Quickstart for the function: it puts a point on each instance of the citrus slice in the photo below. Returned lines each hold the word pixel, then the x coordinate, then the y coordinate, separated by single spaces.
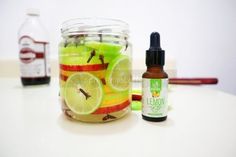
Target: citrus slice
pixel 118 74
pixel 83 93
pixel 111 99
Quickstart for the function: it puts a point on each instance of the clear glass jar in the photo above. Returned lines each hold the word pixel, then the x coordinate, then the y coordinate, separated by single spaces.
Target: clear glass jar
pixel 95 69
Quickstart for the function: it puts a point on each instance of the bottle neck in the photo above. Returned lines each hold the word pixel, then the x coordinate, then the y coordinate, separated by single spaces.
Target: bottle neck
pixel 34 21
pixel 32 18
pixel 155 68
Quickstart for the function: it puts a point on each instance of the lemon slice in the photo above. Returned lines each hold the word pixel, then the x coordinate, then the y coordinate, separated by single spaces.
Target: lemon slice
pixel 118 74
pixel 83 93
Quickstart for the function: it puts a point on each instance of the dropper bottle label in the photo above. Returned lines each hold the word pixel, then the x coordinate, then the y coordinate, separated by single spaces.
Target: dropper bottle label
pixel 155 82
pixel 154 98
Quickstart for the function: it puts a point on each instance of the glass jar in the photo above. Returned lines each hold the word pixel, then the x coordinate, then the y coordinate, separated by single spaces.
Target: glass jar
pixel 95 69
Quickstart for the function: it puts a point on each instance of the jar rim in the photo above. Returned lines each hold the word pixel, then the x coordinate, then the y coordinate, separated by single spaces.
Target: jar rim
pixel 94 25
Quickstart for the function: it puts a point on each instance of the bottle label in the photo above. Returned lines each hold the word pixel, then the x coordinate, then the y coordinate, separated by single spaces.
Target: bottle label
pixel 154 97
pixel 34 58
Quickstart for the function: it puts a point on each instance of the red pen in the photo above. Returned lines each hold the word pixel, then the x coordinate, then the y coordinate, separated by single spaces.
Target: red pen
pixel 193 81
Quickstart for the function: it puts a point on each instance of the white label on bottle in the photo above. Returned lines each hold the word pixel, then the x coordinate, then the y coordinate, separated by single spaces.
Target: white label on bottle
pixel 34 58
pixel 154 97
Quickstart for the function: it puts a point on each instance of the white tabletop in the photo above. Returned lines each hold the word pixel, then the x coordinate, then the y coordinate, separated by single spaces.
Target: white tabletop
pixel 201 123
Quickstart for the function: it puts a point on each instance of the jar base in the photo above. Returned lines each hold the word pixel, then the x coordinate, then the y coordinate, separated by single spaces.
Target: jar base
pixel 97 118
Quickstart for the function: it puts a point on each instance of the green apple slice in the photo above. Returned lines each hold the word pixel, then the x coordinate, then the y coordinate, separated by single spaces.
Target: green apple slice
pixel 81 55
pixel 105 49
pixel 72 49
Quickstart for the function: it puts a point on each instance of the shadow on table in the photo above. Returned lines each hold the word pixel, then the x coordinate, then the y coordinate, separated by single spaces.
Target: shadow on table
pixel 167 123
pixel 114 127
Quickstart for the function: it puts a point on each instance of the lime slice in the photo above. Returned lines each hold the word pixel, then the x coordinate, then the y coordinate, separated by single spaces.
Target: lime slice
pixel 118 74
pixel 83 93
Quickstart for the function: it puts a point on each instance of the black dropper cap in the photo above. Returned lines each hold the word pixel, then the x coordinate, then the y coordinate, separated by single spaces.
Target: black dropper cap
pixel 155 55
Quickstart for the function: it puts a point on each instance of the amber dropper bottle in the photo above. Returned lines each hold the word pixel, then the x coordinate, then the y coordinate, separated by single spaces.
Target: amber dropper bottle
pixel 155 83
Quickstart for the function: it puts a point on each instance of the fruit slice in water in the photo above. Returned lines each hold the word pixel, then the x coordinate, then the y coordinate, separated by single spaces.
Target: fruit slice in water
pixel 74 55
pixel 86 57
pixel 118 74
pixel 114 108
pixel 65 74
pixel 83 93
pixel 111 99
pixel 106 49
pixel 72 49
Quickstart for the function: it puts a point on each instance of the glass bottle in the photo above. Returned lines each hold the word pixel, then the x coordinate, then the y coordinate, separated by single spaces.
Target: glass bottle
pixel 33 50
pixel 155 83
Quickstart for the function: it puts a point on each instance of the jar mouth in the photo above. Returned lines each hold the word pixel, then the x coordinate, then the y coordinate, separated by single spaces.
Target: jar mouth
pixel 96 26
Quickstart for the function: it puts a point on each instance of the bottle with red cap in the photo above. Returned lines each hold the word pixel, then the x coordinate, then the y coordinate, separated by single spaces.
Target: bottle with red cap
pixel 33 50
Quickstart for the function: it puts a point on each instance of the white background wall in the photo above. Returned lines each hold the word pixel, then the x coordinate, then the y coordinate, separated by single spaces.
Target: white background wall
pixel 200 34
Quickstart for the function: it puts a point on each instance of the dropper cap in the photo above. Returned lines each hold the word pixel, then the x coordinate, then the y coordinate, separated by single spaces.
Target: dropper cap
pixel 155 55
